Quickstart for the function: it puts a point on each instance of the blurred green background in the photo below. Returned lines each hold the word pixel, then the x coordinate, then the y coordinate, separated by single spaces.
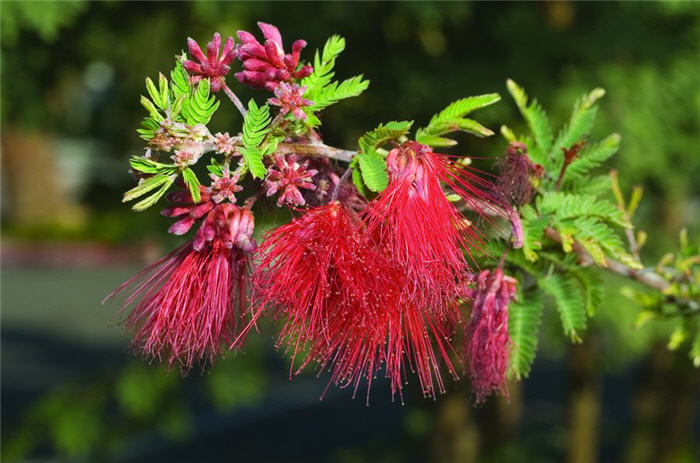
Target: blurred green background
pixel 72 73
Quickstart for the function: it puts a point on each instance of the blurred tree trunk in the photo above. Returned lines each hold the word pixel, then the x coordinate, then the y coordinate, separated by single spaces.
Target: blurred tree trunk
pixel 662 408
pixel 584 402
pixel 456 436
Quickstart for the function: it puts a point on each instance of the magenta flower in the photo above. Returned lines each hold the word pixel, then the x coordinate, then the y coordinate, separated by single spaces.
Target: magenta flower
pixel 224 187
pixel 287 175
pixel 212 66
pixel 487 343
pixel 265 66
pixel 290 98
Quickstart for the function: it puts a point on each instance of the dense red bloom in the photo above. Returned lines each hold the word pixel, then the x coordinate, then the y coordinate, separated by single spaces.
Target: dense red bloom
pixel 290 98
pixel 341 302
pixel 487 343
pixel 190 302
pixel 420 228
pixel 517 174
pixel 265 66
pixel 287 175
pixel 212 66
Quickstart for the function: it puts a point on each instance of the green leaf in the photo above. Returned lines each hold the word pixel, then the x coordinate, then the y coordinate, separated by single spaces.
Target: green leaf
pixel 533 231
pixel 323 65
pixel 382 134
pixel 695 350
pixel 215 167
pixel 334 92
pixel 592 285
pixel 192 183
pixel 452 119
pixel 373 168
pixel 162 181
pixel 152 110
pixel 149 166
pixel 568 299
pixel 579 127
pixel 255 129
pixel 592 156
pixel 567 205
pixel 538 123
pixel 357 181
pixel 524 317
pixel 180 81
pixel 200 106
pixel 154 94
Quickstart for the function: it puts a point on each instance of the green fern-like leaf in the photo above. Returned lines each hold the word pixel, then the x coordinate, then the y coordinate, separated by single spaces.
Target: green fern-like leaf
pixel 593 156
pixel 568 298
pixel 323 65
pixel 538 123
pixel 567 206
pixel 533 231
pixel 373 168
pixel 383 134
pixel 524 317
pixel 592 286
pixel 579 126
pixel 200 106
pixel 596 186
pixel 179 80
pixel 160 182
pixel 192 183
pixel 452 119
pixel 334 92
pixel 255 129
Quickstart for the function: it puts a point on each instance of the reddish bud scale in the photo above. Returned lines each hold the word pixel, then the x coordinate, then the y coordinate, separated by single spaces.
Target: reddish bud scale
pixel 487 343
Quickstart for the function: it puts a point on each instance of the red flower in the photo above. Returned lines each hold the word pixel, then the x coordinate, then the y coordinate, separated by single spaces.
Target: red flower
pixel 265 66
pixel 422 231
pixel 288 175
pixel 487 343
pixel 290 99
pixel 190 302
pixel 341 302
pixel 212 66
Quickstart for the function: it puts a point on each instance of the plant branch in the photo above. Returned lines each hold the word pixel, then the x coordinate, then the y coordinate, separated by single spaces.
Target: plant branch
pixel 236 101
pixel 316 149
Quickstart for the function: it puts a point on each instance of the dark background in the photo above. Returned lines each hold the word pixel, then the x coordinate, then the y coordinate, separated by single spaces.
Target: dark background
pixel 72 73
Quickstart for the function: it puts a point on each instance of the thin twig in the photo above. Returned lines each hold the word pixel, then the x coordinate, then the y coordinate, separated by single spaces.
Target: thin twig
pixel 342 179
pixel 232 96
pixel 316 149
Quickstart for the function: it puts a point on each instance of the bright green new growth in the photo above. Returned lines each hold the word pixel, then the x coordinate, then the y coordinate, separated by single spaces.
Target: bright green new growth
pixel 256 127
pixel 320 87
pixel 371 163
pixel 452 119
